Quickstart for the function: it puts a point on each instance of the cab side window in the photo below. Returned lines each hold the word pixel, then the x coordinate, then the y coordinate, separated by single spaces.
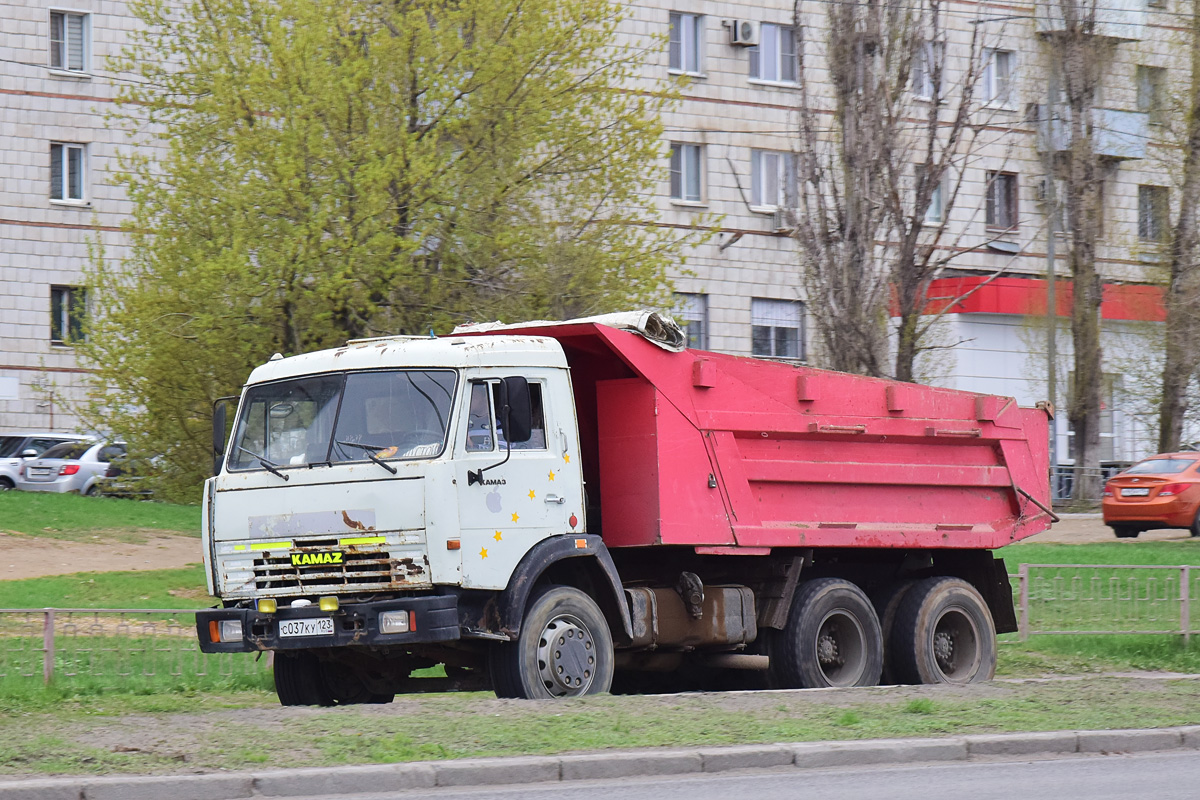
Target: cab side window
pixel 485 419
pixel 537 439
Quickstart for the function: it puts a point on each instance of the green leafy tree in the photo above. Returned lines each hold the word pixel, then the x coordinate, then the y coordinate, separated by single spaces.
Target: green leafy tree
pixel 334 169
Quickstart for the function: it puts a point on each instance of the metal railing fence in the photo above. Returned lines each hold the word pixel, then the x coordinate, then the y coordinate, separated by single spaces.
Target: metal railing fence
pixel 1080 599
pixel 122 648
pixel 115 647
pixel 1063 478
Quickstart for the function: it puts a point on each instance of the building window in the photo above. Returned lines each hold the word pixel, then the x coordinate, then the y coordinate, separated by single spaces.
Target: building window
pixel 998 77
pixel 692 311
pixel 686 161
pixel 687 43
pixel 1002 201
pixel 68 41
pixel 927 57
pixel 774 57
pixel 67 308
pixel 67 164
pixel 1151 93
pixel 1153 209
pixel 777 328
pixel 772 178
pixel 935 212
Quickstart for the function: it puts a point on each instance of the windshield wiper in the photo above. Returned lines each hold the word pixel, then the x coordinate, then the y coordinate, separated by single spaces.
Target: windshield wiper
pixel 269 466
pixel 370 450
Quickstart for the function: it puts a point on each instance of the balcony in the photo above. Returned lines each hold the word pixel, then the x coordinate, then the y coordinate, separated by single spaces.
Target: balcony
pixel 1119 135
pixel 1122 20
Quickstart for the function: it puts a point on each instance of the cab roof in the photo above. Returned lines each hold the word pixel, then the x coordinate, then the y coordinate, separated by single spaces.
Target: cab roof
pixel 409 351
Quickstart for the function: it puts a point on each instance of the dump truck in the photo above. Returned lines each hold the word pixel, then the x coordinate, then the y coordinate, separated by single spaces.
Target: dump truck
pixel 563 508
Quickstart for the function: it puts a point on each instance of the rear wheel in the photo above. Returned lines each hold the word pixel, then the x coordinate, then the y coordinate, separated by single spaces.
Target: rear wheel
pixel 886 603
pixel 832 638
pixel 564 649
pixel 6 484
pixel 1195 527
pixel 1130 532
pixel 943 634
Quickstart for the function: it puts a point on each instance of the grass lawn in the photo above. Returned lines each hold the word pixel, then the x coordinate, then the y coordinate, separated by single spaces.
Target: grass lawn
pixel 163 588
pixel 72 517
pixel 221 730
pixel 1129 551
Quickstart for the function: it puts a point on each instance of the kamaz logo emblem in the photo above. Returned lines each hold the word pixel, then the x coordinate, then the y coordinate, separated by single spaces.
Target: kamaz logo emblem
pixel 315 559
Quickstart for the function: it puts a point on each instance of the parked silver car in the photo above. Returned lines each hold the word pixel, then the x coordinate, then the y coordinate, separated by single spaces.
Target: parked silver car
pixel 17 448
pixel 69 467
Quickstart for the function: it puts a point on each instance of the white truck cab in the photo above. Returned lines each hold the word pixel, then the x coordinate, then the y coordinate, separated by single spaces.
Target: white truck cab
pixel 365 490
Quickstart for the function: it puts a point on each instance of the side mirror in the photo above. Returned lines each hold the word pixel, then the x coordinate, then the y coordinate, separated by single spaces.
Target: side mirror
pixel 30 453
pixel 218 431
pixel 514 393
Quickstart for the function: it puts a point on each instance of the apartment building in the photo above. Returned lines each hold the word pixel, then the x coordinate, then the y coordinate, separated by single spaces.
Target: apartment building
pixel 57 195
pixel 726 161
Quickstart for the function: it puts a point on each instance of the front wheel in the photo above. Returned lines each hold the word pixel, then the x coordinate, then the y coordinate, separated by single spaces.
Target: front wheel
pixel 565 649
pixel 832 638
pixel 943 634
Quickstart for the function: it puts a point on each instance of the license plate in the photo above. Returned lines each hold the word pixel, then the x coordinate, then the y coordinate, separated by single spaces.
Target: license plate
pixel 1143 492
pixel 321 626
pixel 39 471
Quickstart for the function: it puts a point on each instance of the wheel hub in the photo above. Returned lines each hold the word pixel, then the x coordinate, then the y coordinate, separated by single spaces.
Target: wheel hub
pixel 827 649
pixel 566 656
pixel 943 650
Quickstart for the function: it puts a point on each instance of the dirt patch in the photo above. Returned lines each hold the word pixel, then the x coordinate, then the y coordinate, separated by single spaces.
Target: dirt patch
pixel 29 557
pixel 1090 529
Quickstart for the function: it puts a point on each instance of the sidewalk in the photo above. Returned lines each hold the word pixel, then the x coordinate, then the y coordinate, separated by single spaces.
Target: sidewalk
pixel 599 766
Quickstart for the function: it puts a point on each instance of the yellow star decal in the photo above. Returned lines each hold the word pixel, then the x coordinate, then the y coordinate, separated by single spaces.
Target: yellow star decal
pixel 551 474
pixel 516 517
pixel 483 553
pixel 567 457
pixel 497 536
pixel 531 494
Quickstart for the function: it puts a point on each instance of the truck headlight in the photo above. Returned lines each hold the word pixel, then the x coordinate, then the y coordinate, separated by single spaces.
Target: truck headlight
pixel 231 630
pixel 394 622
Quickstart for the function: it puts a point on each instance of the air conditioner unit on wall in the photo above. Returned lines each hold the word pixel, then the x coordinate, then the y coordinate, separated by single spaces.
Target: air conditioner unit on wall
pixel 779 222
pixel 742 33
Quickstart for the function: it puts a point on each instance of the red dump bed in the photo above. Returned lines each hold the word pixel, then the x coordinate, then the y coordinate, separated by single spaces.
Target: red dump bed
pixel 730 454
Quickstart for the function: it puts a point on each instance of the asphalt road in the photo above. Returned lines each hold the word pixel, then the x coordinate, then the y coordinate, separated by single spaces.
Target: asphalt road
pixel 1173 776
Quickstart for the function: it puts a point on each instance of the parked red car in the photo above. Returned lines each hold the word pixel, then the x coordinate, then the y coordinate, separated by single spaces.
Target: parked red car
pixel 1161 492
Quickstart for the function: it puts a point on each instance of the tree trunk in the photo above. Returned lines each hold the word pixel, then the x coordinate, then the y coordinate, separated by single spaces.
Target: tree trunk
pixel 1182 351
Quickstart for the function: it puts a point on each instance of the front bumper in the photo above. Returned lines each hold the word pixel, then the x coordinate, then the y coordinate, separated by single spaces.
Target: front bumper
pixel 435 616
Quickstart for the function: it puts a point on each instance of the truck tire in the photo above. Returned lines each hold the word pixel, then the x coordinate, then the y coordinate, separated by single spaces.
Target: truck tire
pixel 886 602
pixel 298 680
pixel 832 638
pixel 943 633
pixel 565 649
pixel 301 679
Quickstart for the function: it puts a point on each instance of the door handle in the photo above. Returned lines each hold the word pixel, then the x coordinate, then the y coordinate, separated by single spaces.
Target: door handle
pixel 553 498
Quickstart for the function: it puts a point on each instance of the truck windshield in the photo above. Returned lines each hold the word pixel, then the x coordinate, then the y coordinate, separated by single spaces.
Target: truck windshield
pixel 344 417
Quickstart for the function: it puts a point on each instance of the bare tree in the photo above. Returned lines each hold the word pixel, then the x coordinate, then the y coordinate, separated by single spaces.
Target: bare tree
pixel 1078 57
pixel 1182 298
pixel 875 154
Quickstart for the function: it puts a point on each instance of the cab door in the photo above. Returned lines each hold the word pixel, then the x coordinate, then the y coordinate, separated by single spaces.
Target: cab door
pixel 528 492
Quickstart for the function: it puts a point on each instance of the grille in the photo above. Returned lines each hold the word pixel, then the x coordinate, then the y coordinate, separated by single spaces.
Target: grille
pixel 362 567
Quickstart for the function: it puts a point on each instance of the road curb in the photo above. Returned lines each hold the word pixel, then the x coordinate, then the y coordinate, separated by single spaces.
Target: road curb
pixel 597 766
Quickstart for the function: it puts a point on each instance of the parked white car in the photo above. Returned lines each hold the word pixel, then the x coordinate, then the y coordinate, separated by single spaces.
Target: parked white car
pixel 17 448
pixel 69 467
